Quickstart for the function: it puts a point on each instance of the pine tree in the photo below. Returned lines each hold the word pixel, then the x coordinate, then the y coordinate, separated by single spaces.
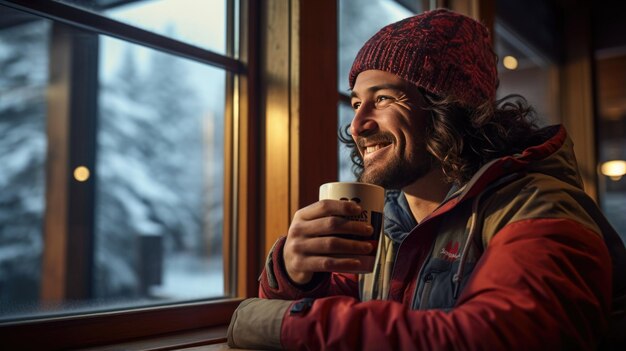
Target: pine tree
pixel 23 63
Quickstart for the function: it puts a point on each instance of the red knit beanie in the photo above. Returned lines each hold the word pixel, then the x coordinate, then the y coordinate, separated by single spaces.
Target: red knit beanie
pixel 441 51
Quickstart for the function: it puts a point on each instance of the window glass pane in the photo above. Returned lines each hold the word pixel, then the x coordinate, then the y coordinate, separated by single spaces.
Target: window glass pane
pixel 198 22
pixel 158 175
pixel 160 163
pixel 23 147
pixel 531 76
pixel 357 23
pixel 611 129
pixel 527 55
pixel 345 163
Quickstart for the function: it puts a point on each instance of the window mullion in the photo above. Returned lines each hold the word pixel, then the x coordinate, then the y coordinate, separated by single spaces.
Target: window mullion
pixel 82 153
pixel 68 253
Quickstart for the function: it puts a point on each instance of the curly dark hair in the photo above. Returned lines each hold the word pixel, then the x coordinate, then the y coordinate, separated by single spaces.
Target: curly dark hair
pixel 463 140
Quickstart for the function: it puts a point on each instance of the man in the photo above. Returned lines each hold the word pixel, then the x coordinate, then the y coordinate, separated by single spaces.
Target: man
pixel 490 241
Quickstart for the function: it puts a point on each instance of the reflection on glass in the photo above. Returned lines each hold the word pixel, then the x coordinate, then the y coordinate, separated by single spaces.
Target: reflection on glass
pixel 23 147
pixel 198 22
pixel 523 69
pixel 160 184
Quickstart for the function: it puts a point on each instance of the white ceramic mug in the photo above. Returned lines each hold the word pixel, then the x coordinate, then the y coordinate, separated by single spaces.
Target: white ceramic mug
pixel 370 197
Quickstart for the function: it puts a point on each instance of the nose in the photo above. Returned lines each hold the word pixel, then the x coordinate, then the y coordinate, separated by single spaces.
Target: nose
pixel 363 122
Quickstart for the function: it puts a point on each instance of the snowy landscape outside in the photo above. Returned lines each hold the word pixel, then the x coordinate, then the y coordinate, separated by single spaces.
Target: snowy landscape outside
pixel 159 161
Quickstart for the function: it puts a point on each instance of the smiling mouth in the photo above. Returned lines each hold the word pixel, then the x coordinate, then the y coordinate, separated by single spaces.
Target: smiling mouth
pixel 373 143
pixel 373 148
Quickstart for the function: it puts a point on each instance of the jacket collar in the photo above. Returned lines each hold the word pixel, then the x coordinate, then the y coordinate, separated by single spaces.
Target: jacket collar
pixel 553 155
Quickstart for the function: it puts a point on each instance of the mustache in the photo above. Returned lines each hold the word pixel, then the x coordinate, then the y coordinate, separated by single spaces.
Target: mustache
pixel 378 138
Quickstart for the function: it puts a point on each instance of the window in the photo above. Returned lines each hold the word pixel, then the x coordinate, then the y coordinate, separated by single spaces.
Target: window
pixel 120 148
pixel 159 176
pixel 199 23
pixel 357 23
pixel 528 56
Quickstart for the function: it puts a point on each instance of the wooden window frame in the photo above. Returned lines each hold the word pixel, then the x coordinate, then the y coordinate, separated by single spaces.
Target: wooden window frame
pixel 240 250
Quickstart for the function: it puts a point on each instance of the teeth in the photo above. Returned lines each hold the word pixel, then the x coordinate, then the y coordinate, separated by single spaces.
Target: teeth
pixel 373 148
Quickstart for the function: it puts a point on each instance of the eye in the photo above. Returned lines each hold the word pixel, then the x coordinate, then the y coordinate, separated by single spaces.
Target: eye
pixel 356 105
pixel 383 98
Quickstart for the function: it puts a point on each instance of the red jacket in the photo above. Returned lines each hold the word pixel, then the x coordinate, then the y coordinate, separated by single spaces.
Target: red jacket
pixel 535 273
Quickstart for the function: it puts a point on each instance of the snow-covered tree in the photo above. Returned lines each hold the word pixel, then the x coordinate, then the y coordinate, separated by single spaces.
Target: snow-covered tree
pixel 151 174
pixel 23 80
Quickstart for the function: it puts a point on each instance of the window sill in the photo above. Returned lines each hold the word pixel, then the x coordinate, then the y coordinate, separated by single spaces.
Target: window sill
pixel 161 324
pixel 213 339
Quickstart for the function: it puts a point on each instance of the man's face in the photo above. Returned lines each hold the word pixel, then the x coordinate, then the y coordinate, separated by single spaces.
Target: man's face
pixel 388 128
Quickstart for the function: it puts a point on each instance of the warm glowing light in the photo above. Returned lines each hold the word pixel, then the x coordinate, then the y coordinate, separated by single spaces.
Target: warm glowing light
pixel 81 173
pixel 614 169
pixel 509 62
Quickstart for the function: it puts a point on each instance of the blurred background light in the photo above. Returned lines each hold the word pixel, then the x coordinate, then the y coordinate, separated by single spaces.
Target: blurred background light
pixel 614 169
pixel 81 173
pixel 509 62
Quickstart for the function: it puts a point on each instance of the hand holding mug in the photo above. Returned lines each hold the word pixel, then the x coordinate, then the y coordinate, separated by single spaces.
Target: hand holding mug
pixel 339 233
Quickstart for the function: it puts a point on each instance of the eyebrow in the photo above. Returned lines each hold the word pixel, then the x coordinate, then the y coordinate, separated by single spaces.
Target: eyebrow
pixel 380 87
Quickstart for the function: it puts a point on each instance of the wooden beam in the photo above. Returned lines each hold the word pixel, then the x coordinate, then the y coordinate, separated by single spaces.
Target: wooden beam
pixel 299 107
pixel 54 263
pixel 275 115
pixel 72 113
pixel 481 10
pixel 247 157
pixel 577 97
pixel 314 128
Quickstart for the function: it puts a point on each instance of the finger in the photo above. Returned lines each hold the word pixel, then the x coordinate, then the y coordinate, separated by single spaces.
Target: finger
pixel 326 208
pixel 354 264
pixel 329 226
pixel 331 246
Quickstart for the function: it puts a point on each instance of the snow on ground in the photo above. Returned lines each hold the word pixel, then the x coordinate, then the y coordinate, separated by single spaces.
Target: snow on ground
pixel 188 277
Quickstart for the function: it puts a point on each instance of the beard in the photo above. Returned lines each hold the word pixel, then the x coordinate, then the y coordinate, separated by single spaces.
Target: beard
pixel 401 170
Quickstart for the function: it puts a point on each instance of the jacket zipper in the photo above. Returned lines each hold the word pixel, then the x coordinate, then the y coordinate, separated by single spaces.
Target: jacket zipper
pixel 419 273
pixel 428 284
